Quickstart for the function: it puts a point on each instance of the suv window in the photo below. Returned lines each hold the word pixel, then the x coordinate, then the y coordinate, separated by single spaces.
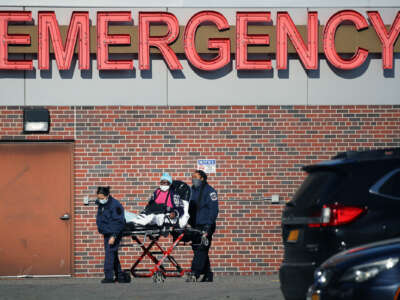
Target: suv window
pixel 315 186
pixel 389 185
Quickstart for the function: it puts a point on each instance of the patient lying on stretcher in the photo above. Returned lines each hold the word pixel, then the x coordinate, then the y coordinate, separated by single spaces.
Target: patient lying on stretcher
pixel 169 204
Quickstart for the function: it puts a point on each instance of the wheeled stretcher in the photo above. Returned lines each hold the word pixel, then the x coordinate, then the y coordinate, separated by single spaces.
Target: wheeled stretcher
pixel 147 238
pixel 146 230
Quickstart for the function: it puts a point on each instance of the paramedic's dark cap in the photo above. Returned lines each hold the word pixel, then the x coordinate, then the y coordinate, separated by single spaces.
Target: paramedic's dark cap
pixel 166 177
pixel 104 190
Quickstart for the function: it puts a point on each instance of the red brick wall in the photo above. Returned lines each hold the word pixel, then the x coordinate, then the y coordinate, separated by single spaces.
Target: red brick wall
pixel 259 151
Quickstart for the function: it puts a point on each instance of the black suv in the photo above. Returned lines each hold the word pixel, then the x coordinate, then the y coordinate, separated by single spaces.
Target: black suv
pixel 350 200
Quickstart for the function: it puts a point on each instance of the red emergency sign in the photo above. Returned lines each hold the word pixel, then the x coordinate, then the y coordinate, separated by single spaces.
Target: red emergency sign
pixel 79 33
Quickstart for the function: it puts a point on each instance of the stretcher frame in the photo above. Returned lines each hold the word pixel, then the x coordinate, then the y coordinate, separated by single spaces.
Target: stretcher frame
pixel 159 272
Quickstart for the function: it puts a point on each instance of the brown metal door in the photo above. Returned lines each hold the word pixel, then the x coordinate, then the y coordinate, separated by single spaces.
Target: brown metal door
pixel 35 191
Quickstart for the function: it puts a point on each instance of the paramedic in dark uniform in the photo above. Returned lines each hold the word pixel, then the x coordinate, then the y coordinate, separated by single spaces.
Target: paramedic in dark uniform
pixel 203 207
pixel 110 222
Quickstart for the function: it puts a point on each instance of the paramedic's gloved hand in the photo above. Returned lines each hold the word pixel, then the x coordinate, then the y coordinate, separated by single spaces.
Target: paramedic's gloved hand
pixel 111 241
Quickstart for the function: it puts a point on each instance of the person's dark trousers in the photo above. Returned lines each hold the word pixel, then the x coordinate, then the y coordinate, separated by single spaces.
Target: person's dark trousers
pixel 201 260
pixel 111 261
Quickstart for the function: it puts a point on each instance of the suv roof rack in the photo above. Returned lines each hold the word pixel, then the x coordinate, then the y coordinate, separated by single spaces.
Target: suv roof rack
pixel 368 154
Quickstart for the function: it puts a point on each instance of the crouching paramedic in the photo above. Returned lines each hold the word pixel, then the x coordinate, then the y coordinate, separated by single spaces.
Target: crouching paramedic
pixel 110 223
pixel 203 209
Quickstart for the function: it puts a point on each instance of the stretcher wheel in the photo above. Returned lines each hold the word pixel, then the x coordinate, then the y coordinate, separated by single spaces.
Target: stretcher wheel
pixel 191 278
pixel 158 277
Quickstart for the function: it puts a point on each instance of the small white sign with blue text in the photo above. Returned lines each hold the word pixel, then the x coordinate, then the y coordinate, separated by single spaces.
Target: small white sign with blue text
pixel 207 165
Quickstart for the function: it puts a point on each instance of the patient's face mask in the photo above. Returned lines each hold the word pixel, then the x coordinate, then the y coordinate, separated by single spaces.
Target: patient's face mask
pixel 164 188
pixel 164 185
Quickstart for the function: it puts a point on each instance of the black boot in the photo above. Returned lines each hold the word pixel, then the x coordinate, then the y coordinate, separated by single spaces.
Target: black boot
pixel 105 280
pixel 123 280
pixel 209 277
pixel 125 277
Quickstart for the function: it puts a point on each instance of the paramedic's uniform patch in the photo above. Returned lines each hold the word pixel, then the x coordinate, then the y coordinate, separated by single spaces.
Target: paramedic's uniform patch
pixel 214 196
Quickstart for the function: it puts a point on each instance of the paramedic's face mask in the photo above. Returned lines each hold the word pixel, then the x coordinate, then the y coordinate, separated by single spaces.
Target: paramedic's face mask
pixel 164 186
pixel 102 199
pixel 196 180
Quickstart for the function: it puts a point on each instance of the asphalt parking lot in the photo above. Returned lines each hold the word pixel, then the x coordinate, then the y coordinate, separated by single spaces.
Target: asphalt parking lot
pixel 226 287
